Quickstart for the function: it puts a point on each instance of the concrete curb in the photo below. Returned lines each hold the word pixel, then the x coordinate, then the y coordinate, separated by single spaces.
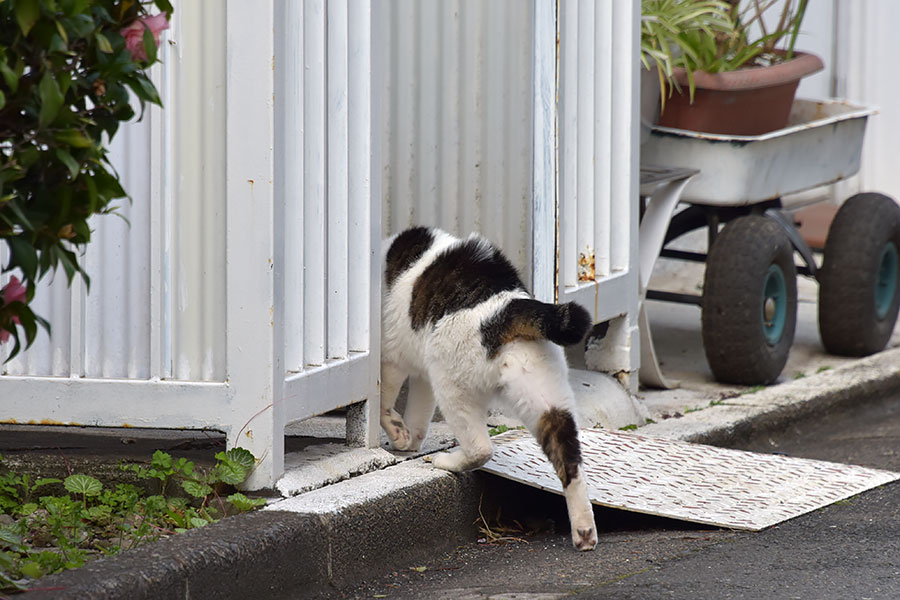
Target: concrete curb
pixel 744 416
pixel 343 533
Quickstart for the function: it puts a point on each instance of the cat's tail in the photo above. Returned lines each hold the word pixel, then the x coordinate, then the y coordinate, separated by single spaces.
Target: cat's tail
pixel 528 319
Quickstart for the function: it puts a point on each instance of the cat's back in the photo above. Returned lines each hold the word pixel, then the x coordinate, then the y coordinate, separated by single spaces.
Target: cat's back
pixel 430 274
pixel 439 274
pixel 408 253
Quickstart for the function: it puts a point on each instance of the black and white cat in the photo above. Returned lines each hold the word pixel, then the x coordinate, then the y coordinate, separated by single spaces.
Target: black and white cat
pixel 457 320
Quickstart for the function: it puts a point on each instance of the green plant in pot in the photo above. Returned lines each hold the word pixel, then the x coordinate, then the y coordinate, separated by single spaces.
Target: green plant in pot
pixel 667 26
pixel 740 82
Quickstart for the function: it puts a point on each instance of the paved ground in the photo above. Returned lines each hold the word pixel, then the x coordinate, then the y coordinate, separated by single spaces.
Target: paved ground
pixel 847 550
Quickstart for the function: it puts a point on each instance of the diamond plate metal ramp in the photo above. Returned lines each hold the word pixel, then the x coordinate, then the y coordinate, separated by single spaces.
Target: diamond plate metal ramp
pixel 691 482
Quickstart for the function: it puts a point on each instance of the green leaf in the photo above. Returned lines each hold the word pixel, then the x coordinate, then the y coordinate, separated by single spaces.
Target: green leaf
pixel 26 318
pixel 83 484
pixel 23 255
pixel 17 211
pixel 27 14
pixel 81 26
pixel 103 43
pixel 9 77
pixel 2 99
pixel 93 198
pixel 243 503
pixel 144 89
pixel 32 570
pixel 161 460
pixel 241 456
pixel 69 161
pixel 69 263
pixel 45 481
pixel 74 7
pixel 51 99
pixel 198 522
pixel 99 513
pixel 9 537
pixel 196 488
pixel 183 465
pixel 164 6
pixel 17 346
pixel 231 473
pixel 62 33
pixel 149 45
pixel 75 138
pixel 28 508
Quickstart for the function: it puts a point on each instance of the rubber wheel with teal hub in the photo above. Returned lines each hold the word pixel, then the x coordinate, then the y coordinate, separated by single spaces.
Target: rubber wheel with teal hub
pixel 886 282
pixel 859 293
pixel 749 301
pixel 774 312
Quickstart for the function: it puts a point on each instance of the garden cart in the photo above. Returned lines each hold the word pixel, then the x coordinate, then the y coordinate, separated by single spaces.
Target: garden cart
pixel 749 297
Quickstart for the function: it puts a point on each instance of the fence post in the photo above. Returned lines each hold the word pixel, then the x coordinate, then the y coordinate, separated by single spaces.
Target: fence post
pixel 254 361
pixel 545 206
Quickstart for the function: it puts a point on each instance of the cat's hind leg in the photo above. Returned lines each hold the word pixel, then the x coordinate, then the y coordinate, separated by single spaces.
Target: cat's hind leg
pixel 419 411
pixel 535 383
pixel 467 417
pixel 392 378
pixel 558 436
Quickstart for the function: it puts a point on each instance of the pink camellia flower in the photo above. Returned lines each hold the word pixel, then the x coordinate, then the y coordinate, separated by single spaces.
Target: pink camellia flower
pixel 13 291
pixel 134 34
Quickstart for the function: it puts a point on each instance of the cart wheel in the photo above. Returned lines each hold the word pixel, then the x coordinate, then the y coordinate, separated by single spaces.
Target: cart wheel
pixel 749 301
pixel 858 289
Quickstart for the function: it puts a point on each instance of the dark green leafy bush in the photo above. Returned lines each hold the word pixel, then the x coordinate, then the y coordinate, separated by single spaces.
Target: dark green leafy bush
pixel 69 71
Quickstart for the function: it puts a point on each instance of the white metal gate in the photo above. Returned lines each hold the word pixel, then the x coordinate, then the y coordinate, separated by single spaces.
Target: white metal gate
pixel 244 292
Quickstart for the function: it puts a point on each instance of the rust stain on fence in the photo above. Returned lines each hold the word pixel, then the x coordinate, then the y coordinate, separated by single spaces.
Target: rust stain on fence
pixel 587 266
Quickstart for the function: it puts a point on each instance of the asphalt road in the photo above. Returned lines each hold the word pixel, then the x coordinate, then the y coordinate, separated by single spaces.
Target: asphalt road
pixel 847 550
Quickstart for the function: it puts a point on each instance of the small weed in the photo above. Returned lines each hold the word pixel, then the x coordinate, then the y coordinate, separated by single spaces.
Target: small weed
pixel 502 429
pixel 752 390
pixel 45 534
pixel 498 430
pixel 649 422
pixel 631 427
pixel 799 375
pixel 823 368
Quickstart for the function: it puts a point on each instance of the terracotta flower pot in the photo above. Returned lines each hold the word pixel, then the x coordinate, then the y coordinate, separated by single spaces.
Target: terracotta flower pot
pixel 748 101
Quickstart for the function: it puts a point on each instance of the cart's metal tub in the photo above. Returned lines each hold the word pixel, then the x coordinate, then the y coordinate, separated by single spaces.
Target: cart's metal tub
pixel 821 145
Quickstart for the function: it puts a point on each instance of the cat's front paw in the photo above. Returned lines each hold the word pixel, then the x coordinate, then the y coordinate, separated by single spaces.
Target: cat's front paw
pixel 402 441
pixel 396 430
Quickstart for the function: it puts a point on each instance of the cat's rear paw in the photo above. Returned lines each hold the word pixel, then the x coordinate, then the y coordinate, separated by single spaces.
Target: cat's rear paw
pixel 460 460
pixel 445 461
pixel 584 539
